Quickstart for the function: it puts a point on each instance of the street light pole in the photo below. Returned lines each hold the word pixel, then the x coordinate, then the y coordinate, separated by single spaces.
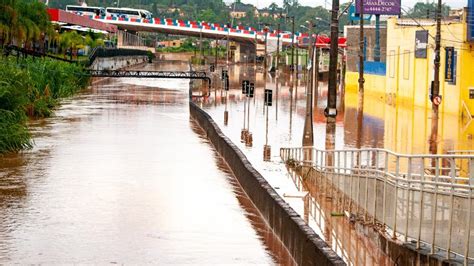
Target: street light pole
pixel 330 111
pixel 361 48
pixel 278 46
pixel 293 43
pixel 435 85
pixel 265 51
pixel 308 122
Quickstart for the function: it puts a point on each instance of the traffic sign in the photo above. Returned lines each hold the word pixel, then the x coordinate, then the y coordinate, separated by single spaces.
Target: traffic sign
pixel 268 97
pixel 251 90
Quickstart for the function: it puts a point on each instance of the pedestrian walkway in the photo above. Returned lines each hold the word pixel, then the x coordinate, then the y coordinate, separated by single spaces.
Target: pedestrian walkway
pixel 422 199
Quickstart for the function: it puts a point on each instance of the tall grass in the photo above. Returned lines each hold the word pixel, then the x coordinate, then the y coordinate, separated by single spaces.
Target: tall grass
pixel 32 88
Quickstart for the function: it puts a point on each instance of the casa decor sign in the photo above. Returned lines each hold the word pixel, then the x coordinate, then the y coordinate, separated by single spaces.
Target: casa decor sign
pixel 380 7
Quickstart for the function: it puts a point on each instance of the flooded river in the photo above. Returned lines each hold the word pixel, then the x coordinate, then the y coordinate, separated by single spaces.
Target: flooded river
pixel 121 175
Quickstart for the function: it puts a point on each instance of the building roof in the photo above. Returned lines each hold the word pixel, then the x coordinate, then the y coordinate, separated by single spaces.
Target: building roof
pixel 423 21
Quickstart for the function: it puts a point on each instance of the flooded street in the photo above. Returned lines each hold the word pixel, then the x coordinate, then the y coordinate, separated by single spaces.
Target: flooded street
pixel 121 175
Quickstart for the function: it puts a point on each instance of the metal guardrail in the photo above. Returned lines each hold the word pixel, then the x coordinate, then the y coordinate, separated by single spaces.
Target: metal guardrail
pixel 34 53
pixel 422 198
pixel 151 74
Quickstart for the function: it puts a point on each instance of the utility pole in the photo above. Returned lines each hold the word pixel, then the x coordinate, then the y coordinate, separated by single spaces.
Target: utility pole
pixel 200 47
pixel 292 18
pixel 265 29
pixel 278 45
pixel 435 98
pixel 217 49
pixel 330 112
pixel 308 122
pixel 361 48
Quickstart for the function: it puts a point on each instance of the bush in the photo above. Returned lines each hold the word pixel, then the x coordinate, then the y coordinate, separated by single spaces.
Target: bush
pixel 32 88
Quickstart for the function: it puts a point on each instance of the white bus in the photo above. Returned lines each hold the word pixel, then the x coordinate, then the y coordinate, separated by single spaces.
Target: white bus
pixel 128 13
pixel 86 10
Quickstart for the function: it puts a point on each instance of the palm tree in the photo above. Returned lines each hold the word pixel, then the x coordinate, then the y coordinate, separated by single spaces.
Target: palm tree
pixel 70 40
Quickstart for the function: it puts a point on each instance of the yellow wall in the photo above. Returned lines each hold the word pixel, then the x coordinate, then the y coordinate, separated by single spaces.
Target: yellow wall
pixel 410 78
pixel 374 84
pixel 407 81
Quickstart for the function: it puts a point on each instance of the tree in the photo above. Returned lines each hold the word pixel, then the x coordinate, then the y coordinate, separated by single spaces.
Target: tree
pixel 422 10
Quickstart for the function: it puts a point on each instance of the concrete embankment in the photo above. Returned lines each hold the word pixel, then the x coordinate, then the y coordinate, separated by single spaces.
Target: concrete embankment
pixel 303 244
pixel 117 62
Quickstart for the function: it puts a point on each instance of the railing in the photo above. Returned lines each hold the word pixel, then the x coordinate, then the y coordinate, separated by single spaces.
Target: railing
pixel 422 198
pixel 112 52
pixel 151 74
pixel 33 53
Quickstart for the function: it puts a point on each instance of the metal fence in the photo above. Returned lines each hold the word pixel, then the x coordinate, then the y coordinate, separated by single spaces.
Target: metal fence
pixel 422 198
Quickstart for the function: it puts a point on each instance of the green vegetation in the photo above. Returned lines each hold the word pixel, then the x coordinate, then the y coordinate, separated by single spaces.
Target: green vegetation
pixel 24 21
pixel 32 88
pixel 29 87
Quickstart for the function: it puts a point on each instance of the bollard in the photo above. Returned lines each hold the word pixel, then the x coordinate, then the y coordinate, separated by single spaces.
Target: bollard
pixel 266 153
pixel 226 118
pixel 243 135
pixel 248 140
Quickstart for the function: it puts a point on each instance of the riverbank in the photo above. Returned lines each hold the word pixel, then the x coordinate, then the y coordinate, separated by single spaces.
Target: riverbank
pixel 31 88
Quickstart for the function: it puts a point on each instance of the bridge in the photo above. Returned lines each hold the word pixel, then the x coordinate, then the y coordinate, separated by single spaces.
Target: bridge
pixel 188 28
pixel 151 74
pixel 212 30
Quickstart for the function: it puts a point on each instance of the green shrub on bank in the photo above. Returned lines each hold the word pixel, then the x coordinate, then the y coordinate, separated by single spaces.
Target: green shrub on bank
pixel 32 88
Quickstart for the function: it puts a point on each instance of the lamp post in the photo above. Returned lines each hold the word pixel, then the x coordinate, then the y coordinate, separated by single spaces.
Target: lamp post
pixel 292 18
pixel 330 110
pixel 265 30
pixel 308 123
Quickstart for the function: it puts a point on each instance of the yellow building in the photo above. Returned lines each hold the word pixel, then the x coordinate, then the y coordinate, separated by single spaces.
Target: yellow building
pixel 410 66
pixel 400 95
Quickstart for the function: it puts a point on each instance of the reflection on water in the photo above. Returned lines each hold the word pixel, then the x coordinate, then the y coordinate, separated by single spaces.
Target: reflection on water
pixel 120 175
pixel 403 129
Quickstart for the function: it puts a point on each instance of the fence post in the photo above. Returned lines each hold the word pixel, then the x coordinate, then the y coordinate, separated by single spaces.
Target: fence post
pixel 408 197
pixel 422 187
pixel 375 184
pixel 385 176
pixel 397 171
pixel 468 229
pixel 367 185
pixel 435 210
pixel 451 209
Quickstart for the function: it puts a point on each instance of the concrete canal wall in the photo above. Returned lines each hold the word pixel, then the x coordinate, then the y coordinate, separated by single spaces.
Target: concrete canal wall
pixel 304 245
pixel 117 62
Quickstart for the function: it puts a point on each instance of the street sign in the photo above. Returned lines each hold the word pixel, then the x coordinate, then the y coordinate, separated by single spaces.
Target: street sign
pixel 251 90
pixel 226 82
pixel 380 7
pixel 268 97
pixel 421 43
pixel 245 87
pixel 223 74
pixel 353 16
pixel 450 65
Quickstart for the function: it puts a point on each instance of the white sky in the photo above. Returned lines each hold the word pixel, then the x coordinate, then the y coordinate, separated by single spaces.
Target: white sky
pixel 405 3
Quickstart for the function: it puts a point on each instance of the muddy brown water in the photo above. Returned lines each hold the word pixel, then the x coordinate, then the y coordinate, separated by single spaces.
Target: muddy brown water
pixel 121 175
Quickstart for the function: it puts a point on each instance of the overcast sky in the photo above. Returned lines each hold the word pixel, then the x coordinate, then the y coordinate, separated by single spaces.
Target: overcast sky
pixel 405 3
